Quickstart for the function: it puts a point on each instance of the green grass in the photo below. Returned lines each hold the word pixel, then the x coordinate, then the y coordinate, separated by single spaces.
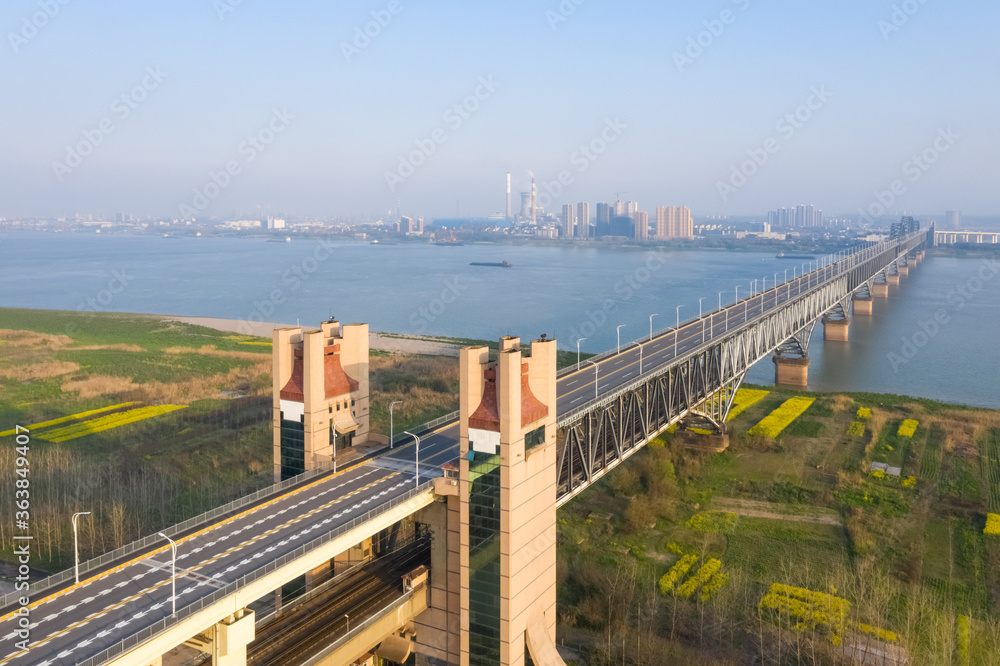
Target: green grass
pixel 805 428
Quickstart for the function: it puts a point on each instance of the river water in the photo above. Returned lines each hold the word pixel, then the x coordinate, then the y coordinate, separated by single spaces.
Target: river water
pixel 934 337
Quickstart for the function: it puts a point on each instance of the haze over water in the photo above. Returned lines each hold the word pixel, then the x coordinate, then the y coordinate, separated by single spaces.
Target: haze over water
pixel 566 292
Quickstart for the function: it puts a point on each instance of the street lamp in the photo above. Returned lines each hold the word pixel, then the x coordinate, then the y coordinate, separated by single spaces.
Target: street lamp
pixel 720 300
pixel 348 622
pixel 678 329
pixel 391 430
pixel 651 326
pixel 417 457
pixel 640 359
pixel 699 306
pixel 597 378
pixel 173 573
pixel 620 327
pixel 578 353
pixel 76 548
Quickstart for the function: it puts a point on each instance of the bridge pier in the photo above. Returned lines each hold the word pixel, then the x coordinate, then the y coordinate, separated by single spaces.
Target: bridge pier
pixel 892 278
pixel 791 371
pixel 904 270
pixel 863 306
pixel 836 330
pixel 881 289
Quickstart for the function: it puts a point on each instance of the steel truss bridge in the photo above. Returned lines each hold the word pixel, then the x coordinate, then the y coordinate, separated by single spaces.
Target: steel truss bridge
pixel 706 359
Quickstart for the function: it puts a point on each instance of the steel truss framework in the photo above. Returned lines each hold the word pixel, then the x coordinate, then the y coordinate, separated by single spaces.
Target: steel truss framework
pixel 593 441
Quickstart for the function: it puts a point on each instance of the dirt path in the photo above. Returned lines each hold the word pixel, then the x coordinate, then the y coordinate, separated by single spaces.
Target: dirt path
pixel 755 509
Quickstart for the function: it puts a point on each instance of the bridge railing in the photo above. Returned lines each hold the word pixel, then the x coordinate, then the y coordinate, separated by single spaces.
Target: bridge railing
pixel 144 544
pixel 185 612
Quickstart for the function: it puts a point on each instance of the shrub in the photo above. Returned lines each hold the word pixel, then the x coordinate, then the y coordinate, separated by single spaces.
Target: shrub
pixel 881 634
pixel 703 575
pixel 856 429
pixel 713 586
pixel 638 515
pixel 813 610
pixel 676 573
pixel 864 413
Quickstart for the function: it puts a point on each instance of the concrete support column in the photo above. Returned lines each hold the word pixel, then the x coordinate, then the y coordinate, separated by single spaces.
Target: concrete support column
pixel 836 329
pixel 880 290
pixel 892 279
pixel 904 270
pixel 232 636
pixel 791 371
pixel 863 306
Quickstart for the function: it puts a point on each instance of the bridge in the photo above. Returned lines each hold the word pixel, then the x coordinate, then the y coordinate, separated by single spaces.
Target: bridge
pixel 483 483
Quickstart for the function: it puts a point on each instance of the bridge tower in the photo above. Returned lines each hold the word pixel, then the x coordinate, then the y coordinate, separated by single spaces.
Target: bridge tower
pixel 507 492
pixel 320 394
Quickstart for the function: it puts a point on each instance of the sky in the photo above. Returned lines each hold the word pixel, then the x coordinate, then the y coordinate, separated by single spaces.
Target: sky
pixel 307 108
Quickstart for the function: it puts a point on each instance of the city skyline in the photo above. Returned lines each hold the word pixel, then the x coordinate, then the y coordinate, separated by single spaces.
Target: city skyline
pixel 351 122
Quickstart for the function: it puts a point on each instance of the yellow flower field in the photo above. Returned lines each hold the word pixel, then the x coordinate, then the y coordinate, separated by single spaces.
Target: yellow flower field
pixel 71 417
pixel 811 609
pixel 881 634
pixel 744 399
pixel 772 424
pixel 678 571
pixel 703 575
pixel 907 428
pixel 864 413
pixel 856 429
pixel 713 586
pixel 107 423
pixel 992 524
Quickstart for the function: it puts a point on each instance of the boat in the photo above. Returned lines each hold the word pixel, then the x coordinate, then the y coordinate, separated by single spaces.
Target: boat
pixel 449 243
pixel 782 255
pixel 286 239
pixel 497 264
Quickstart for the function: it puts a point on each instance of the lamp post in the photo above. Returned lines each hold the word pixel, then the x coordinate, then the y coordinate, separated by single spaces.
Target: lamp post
pixel 678 329
pixel 578 353
pixel 620 327
pixel 416 457
pixel 640 359
pixel 651 326
pixel 699 306
pixel 173 573
pixel 348 622
pixel 720 300
pixel 597 377
pixel 76 548
pixel 391 429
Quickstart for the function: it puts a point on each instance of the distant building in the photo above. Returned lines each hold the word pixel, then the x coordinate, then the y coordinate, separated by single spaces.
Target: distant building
pixel 661 223
pixel 583 220
pixel 640 220
pixel 602 224
pixel 953 219
pixel 622 225
pixel 568 221
pixel 409 225
pixel 273 223
pixel 680 224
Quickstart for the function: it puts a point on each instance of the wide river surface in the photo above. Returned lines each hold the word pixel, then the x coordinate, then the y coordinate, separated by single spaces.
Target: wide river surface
pixel 934 337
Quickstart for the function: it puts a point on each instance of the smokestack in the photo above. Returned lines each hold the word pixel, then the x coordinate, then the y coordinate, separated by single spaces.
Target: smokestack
pixel 508 195
pixel 534 201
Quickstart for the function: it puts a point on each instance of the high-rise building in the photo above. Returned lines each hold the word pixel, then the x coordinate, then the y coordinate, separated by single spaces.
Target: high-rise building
pixel 620 208
pixel 680 224
pixel 583 220
pixel 641 220
pixel 568 221
pixel 602 223
pixel 953 219
pixel 661 223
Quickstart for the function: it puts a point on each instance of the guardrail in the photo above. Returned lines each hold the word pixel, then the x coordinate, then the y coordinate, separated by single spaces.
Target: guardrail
pixel 96 564
pixel 185 612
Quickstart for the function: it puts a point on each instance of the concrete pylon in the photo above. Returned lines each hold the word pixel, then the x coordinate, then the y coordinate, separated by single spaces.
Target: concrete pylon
pixel 880 290
pixel 863 306
pixel 507 488
pixel 791 371
pixel 836 330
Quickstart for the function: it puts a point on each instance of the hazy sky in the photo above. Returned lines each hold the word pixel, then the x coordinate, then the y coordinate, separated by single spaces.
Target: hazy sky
pixel 223 68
